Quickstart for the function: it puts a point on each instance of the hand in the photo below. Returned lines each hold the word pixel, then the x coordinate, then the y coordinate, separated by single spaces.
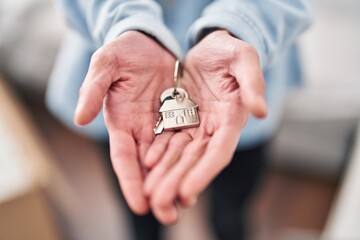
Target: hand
pixel 223 76
pixel 127 77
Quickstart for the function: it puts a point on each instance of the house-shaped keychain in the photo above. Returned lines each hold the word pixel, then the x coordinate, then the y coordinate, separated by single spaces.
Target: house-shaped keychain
pixel 179 113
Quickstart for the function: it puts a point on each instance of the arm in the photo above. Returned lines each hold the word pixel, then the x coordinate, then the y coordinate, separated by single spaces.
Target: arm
pixel 225 74
pixel 103 21
pixel 268 25
pixel 125 77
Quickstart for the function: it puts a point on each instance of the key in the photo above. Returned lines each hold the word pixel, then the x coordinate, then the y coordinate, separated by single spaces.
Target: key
pixel 167 95
pixel 159 127
pixel 177 111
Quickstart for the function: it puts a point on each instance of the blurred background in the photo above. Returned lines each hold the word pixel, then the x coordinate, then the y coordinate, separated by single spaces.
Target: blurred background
pixel 53 184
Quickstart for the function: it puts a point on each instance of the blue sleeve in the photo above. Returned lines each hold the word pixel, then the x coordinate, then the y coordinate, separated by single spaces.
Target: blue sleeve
pixel 101 21
pixel 268 25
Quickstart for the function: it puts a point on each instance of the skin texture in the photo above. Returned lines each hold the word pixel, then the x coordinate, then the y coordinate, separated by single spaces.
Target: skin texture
pixel 222 75
pixel 126 78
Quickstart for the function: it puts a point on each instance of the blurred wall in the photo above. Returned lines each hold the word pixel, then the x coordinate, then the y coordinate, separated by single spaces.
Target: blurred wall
pixel 321 116
pixel 30 34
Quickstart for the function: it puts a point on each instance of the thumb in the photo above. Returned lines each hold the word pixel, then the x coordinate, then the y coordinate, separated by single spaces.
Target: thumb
pixel 254 102
pixel 250 78
pixel 95 86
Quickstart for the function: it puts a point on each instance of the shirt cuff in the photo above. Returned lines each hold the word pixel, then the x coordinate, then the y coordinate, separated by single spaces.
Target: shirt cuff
pixel 237 24
pixel 149 25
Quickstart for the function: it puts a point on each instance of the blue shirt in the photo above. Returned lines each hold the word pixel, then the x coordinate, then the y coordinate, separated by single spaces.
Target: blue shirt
pixel 271 26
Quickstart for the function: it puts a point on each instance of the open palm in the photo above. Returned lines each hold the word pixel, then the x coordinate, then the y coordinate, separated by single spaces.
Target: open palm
pixel 223 76
pixel 126 77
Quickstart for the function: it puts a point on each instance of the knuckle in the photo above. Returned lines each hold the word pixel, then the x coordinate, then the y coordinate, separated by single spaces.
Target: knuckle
pixel 103 57
pixel 98 56
pixel 249 50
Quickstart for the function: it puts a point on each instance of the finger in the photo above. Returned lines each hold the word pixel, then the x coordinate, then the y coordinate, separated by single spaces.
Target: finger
pixel 95 86
pixel 247 71
pixel 143 148
pixel 167 189
pixel 256 104
pixel 157 149
pixel 188 202
pixel 168 215
pixel 164 196
pixel 128 170
pixel 215 158
pixel 172 154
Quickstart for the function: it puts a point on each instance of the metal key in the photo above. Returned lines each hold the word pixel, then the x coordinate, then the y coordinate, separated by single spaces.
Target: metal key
pixel 177 111
pixel 159 127
pixel 167 95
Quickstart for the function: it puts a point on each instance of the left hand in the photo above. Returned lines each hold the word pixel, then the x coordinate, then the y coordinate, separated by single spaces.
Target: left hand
pixel 223 76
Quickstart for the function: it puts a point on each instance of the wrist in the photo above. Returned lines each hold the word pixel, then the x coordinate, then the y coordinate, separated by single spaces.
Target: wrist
pixel 209 31
pixel 146 24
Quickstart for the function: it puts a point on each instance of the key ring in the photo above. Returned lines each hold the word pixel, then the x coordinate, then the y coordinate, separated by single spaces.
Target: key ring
pixel 177 72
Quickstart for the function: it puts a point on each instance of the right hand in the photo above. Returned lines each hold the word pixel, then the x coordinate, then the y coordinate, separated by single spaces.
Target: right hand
pixel 126 77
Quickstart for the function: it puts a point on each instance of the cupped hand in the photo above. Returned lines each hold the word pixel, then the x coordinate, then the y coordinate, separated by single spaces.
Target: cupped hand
pixel 126 78
pixel 223 76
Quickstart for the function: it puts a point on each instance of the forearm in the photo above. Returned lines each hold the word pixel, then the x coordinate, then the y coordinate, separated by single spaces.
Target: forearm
pixel 268 25
pixel 103 21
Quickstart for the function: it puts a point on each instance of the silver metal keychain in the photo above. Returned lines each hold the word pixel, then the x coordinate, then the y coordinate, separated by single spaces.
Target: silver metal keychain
pixel 177 110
